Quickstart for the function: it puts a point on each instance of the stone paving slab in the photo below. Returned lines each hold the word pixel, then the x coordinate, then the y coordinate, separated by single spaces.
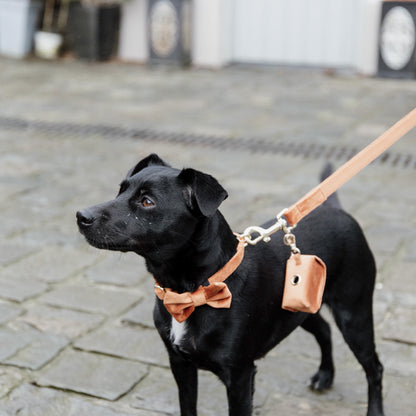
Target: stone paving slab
pixel 142 313
pixel 69 323
pixel 18 219
pixel 120 270
pixel 398 359
pixel 51 264
pixel 38 351
pixel 29 348
pixel 403 388
pixel 28 400
pixel 8 311
pixel 402 278
pixel 288 405
pixel 157 391
pixel 128 342
pixel 16 289
pixel 397 324
pixel 12 252
pixel 387 238
pixel 411 251
pixel 101 300
pixel 12 341
pixel 10 378
pixel 92 374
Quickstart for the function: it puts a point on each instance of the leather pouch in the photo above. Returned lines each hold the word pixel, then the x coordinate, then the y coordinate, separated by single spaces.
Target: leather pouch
pixel 304 283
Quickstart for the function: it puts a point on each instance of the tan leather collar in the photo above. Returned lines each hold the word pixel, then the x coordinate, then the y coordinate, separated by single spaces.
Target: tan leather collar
pixel 216 294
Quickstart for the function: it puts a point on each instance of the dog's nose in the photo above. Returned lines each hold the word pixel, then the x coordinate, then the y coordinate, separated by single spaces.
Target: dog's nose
pixel 85 218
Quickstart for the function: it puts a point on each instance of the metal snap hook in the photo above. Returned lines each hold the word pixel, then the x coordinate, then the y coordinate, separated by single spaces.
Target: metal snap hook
pixel 290 240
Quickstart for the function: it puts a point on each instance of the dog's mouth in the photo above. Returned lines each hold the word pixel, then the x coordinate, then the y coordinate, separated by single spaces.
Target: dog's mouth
pixel 107 243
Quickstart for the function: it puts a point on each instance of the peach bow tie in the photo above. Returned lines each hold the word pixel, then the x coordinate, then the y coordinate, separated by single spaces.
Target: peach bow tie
pixel 216 294
pixel 181 305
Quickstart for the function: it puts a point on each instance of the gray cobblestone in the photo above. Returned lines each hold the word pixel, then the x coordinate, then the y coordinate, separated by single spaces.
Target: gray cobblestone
pixel 400 279
pixel 92 299
pixel 399 325
pixel 14 288
pixel 12 341
pixel 387 238
pixel 12 252
pixel 142 313
pixel 9 379
pixel 93 374
pixel 8 311
pixel 403 387
pixel 32 401
pixel 51 264
pixel 36 353
pixel 411 250
pixel 292 405
pixel 29 348
pixel 398 359
pixel 68 323
pixel 127 342
pixel 126 270
pixel 155 392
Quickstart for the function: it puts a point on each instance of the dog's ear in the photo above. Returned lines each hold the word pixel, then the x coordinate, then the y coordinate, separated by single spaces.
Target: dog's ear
pixel 151 160
pixel 202 191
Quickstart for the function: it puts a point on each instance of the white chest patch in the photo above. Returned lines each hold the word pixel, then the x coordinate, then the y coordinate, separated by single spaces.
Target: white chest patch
pixel 177 331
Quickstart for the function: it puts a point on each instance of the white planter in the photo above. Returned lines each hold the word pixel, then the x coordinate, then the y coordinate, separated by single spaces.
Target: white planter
pixel 18 20
pixel 47 44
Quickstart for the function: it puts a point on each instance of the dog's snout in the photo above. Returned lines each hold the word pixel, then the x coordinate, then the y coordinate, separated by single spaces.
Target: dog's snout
pixel 85 218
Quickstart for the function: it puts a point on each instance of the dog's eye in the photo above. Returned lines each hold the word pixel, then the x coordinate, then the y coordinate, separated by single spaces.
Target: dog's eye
pixel 146 202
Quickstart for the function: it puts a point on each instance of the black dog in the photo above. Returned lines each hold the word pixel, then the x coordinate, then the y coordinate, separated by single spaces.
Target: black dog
pixel 171 218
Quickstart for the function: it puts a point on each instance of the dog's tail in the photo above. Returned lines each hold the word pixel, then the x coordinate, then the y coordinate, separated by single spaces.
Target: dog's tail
pixel 333 199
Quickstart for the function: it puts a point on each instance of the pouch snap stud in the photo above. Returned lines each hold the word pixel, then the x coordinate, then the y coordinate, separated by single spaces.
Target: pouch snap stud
pixel 296 279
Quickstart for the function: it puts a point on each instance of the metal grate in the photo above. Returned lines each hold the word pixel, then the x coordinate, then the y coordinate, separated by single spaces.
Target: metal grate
pixel 308 150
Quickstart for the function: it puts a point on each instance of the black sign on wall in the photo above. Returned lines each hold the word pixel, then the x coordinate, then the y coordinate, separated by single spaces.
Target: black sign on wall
pixel 397 40
pixel 169 31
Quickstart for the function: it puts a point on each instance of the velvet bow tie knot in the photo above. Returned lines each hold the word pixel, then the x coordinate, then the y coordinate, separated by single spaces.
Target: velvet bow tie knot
pixel 181 305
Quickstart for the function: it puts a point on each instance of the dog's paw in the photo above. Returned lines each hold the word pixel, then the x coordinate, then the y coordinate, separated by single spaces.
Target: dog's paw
pixel 321 381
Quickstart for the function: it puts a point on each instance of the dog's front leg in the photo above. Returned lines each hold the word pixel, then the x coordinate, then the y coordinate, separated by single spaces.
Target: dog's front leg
pixel 240 390
pixel 186 376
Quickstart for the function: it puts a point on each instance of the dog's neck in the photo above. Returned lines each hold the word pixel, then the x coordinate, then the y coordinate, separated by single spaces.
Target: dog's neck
pixel 211 246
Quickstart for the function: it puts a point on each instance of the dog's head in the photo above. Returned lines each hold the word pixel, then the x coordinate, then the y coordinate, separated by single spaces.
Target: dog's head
pixel 156 211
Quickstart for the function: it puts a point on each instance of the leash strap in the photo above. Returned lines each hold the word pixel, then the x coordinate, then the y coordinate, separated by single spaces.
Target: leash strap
pixel 254 234
pixel 320 193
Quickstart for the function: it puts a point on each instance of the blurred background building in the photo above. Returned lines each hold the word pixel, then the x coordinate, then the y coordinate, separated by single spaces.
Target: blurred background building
pixel 358 35
pixel 325 33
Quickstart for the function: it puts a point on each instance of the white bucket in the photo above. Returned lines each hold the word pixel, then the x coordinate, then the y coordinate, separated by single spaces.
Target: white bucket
pixel 47 44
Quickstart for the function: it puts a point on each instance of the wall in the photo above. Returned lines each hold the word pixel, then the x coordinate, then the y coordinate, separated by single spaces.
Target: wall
pixel 133 33
pixel 327 33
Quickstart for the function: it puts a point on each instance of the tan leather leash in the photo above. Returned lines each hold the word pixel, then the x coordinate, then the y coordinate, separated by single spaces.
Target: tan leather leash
pixel 320 193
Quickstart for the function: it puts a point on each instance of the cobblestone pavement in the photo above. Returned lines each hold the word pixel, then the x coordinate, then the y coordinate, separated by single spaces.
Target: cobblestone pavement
pixel 76 335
